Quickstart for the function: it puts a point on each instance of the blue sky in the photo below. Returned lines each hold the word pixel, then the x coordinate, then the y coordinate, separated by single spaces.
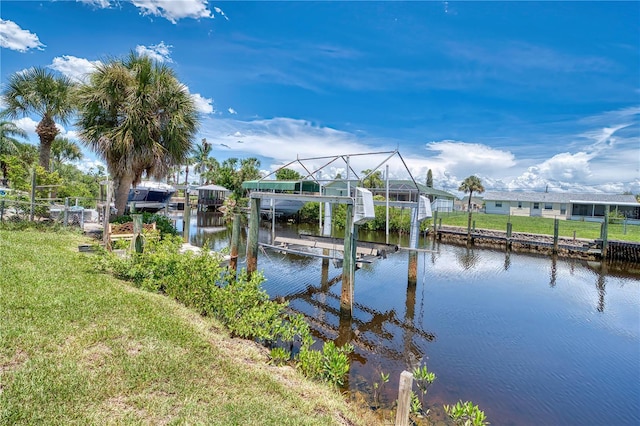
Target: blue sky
pixel 525 95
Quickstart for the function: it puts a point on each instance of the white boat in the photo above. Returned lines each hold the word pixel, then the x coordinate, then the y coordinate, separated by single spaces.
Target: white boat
pixel 150 196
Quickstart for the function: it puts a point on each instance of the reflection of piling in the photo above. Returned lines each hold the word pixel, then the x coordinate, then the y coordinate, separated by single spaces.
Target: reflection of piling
pixel 252 238
pixel 348 265
pixel 235 242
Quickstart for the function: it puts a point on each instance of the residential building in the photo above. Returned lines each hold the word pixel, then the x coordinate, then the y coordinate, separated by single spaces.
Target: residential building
pixel 561 205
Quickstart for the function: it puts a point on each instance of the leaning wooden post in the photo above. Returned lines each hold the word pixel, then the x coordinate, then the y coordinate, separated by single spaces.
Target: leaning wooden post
pixel 235 242
pixel 252 238
pixel 404 398
pixel 556 231
pixel 348 265
pixel 605 233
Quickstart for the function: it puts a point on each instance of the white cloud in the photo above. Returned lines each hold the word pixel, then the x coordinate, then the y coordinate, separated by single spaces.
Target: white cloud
pixel 173 10
pixel 27 124
pixel 232 111
pixel 77 69
pixel 158 52
pixel 15 38
pixel 462 158
pixel 203 105
pixel 221 13
pixel 103 4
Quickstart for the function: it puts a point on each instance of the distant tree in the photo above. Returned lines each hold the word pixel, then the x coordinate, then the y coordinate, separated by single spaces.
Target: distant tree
pixel 232 172
pixel 288 174
pixel 62 149
pixel 8 144
pixel 471 184
pixel 41 92
pixel 429 179
pixel 200 154
pixel 372 179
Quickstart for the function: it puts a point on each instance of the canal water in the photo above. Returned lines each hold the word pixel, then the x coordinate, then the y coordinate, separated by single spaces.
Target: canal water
pixel 532 340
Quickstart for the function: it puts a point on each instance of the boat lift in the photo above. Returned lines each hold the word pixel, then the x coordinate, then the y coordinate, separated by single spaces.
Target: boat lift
pixel 360 209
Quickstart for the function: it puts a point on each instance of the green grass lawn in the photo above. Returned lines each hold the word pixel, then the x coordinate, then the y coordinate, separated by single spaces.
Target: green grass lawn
pixel 78 347
pixel 539 225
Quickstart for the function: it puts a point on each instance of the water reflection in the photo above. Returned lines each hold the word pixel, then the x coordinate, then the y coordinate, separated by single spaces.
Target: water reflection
pixel 508 331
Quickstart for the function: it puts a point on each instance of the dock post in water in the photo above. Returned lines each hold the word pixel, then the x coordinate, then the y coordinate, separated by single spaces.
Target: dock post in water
pixel 435 224
pixel 605 233
pixel 252 239
pixel 235 242
pixel 413 243
pixel 348 265
pixel 556 231
pixel 186 218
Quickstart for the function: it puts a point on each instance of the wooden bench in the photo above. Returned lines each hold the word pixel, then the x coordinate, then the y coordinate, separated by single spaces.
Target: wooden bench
pixel 124 231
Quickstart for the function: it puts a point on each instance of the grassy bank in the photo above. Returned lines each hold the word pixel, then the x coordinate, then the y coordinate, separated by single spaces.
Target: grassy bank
pixel 78 347
pixel 540 225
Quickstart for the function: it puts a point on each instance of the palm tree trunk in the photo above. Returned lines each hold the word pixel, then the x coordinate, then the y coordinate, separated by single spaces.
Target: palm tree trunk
pixel 469 221
pixel 122 184
pixel 47 132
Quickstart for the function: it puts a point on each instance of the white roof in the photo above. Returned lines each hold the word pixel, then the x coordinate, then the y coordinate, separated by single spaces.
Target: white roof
pixel 212 188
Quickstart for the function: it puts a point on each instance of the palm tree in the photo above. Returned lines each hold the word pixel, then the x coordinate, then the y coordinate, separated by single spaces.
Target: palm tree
pixel 372 179
pixel 200 155
pixel 139 118
pixel 39 91
pixel 471 184
pixel 62 149
pixel 8 144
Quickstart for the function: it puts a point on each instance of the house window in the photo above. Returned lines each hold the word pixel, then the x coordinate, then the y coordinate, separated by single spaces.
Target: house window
pixel 519 204
pixel 563 209
pixel 498 203
pixel 548 206
pixel 536 206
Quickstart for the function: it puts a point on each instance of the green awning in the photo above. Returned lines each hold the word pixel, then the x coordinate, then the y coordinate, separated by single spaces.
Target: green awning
pixel 281 185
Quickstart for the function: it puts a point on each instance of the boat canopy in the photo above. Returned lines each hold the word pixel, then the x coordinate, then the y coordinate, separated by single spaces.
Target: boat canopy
pixel 282 185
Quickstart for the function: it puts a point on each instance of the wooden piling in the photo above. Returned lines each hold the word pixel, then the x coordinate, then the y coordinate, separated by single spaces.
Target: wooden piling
pixel 348 265
pixel 435 224
pixel 235 242
pixel 413 267
pixel 137 242
pixel 556 230
pixel 252 238
pixel 605 233
pixel 186 219
pixel 404 398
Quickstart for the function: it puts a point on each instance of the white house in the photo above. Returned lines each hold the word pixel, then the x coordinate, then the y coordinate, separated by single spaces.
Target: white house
pixel 564 205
